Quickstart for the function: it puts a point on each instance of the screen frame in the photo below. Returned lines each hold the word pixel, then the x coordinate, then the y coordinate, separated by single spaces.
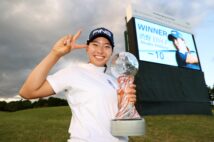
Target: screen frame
pixel 134 47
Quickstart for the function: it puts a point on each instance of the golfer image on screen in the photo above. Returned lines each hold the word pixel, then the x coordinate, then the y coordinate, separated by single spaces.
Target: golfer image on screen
pixel 184 57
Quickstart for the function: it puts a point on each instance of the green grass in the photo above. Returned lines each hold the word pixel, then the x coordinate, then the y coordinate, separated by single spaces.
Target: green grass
pixel 178 128
pixel 51 125
pixel 35 125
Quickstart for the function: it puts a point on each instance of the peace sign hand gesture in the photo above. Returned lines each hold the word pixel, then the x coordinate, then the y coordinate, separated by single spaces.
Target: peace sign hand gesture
pixel 66 44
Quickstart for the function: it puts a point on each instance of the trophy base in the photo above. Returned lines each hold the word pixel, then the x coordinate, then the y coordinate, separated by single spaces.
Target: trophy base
pixel 128 127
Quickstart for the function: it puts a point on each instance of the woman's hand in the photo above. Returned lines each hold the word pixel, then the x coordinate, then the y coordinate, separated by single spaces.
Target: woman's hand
pixel 130 91
pixel 66 44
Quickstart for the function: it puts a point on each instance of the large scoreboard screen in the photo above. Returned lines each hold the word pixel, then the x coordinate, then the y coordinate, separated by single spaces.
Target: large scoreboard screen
pixel 160 44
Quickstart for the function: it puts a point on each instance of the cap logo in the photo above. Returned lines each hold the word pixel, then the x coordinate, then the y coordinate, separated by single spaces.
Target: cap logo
pixel 101 31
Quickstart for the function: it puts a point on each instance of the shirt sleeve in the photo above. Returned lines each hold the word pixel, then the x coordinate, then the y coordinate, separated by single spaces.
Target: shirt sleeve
pixel 181 58
pixel 58 80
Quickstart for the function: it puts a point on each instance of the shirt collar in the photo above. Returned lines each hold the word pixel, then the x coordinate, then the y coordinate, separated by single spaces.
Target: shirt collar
pixel 95 68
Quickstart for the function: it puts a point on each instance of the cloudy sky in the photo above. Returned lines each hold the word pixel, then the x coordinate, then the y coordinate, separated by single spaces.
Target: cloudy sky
pixel 29 28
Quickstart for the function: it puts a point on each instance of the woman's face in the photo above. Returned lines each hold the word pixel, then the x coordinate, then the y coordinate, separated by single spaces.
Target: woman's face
pixel 99 51
pixel 180 44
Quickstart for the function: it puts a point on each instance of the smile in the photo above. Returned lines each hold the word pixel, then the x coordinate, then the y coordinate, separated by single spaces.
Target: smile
pixel 99 57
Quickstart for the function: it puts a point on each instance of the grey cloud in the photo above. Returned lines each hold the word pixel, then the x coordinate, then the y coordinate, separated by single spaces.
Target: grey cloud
pixel 30 28
pixel 193 11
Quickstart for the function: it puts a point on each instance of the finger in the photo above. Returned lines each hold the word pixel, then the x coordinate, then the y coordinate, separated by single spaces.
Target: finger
pixel 120 92
pixel 132 86
pixel 131 79
pixel 67 40
pixel 132 98
pixel 76 36
pixel 61 40
pixel 130 90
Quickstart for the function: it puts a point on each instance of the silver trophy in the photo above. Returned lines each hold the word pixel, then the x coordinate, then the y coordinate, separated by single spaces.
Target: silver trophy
pixel 127 122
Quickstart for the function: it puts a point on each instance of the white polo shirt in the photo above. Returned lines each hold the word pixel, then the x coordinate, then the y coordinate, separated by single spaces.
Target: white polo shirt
pixel 92 97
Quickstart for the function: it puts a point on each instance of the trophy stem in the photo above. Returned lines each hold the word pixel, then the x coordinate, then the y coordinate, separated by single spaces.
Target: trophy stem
pixel 126 110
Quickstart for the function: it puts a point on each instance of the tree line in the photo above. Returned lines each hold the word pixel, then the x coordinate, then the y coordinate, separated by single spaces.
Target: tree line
pixel 211 92
pixel 26 104
pixel 51 101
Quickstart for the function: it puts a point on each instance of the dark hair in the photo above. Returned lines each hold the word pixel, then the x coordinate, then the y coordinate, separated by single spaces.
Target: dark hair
pixel 105 68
